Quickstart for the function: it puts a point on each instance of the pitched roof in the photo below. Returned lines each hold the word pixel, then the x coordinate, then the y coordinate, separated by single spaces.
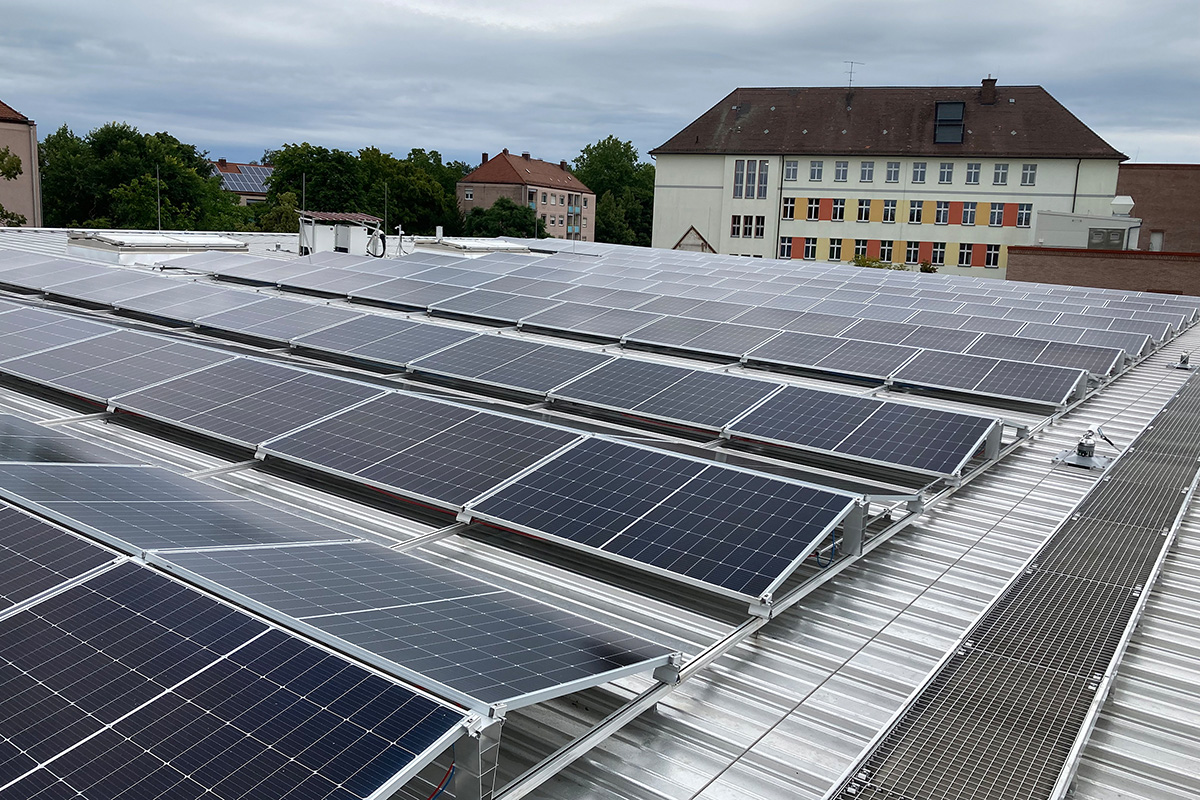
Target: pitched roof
pixel 1023 121
pixel 10 114
pixel 507 168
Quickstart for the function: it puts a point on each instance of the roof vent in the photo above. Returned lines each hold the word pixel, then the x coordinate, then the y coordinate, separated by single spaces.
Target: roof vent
pixel 987 94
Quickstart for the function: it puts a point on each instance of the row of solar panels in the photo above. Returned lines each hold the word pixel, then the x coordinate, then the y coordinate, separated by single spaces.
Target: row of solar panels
pixel 120 682
pixel 755 532
pixel 469 641
pixel 640 263
pixel 740 408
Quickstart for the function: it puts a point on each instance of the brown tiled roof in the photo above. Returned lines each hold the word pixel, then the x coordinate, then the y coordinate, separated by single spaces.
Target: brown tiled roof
pixel 10 114
pixel 507 168
pixel 888 121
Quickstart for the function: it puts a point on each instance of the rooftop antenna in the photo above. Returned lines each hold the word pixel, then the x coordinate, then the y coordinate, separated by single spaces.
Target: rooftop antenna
pixel 850 72
pixel 158 195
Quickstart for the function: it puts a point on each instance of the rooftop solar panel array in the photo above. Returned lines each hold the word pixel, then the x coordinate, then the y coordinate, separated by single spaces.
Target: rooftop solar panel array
pixel 27 442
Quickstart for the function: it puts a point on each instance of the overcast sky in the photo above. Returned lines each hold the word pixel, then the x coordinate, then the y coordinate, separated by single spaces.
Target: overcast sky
pixel 463 77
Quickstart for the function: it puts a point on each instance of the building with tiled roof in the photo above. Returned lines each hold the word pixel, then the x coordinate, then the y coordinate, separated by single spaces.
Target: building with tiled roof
pixel 247 181
pixel 558 198
pixel 952 176
pixel 23 195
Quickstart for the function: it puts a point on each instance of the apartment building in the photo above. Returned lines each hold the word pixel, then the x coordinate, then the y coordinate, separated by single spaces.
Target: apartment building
pixel 952 176
pixel 247 181
pixel 557 197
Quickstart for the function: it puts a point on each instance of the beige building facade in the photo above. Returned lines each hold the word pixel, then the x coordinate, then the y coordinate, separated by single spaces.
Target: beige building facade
pixel 557 197
pixel 952 177
pixel 24 194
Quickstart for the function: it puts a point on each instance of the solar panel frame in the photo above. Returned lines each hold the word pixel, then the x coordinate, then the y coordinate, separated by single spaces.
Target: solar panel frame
pixel 22 441
pixel 729 339
pixel 620 385
pixel 110 287
pixel 36 557
pixel 24 331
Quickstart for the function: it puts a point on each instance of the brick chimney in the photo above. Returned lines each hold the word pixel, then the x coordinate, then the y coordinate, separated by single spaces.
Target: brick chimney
pixel 484 159
pixel 221 161
pixel 562 165
pixel 505 151
pixel 987 94
pixel 525 155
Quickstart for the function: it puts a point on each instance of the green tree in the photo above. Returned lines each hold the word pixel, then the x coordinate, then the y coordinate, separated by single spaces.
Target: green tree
pixel 504 218
pixel 448 175
pixel 115 177
pixel 325 180
pixel 10 168
pixel 416 200
pixel 624 189
pixel 280 216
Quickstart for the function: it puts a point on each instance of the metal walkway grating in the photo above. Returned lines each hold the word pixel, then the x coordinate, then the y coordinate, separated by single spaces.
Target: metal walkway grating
pixel 1000 718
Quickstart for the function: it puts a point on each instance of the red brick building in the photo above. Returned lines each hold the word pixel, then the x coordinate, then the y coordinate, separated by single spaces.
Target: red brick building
pixel 557 197
pixel 1166 197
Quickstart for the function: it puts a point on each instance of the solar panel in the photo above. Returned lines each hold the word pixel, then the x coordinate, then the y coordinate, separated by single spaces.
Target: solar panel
pixel 1159 331
pixel 188 301
pixel 705 398
pixel 281 321
pixel 763 317
pixel 867 358
pixel 111 286
pixel 141 687
pixel 29 330
pixel 824 324
pixel 136 508
pixel 670 331
pixel 887 313
pixel 473 357
pixel 469 302
pixel 1016 348
pixel 538 369
pixel 35 557
pixel 22 441
pixel 931 338
pixel 112 364
pixel 1134 343
pixel 796 349
pixel 806 418
pixel 431 450
pixel 586 294
pixel 246 401
pixel 46 273
pixel 621 384
pixel 728 339
pixel 1007 327
pixel 945 369
pixel 354 333
pixel 717 311
pixel 482 642
pixel 613 323
pixel 332 281
pixel 1031 382
pixel 407 293
pixel 921 438
pixel 669 305
pixel 708 524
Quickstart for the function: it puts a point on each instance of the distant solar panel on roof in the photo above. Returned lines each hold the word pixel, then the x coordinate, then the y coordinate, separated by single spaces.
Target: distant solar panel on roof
pixel 613 323
pixel 22 441
pixel 332 281
pixel 621 384
pixel 136 508
pixel 282 321
pixel 706 399
pixel 795 349
pixel 949 339
pixel 112 286
pixel 708 524
pixel 424 448
pixel 29 330
pixel 246 401
pixel 807 417
pixel 867 358
pixel 475 356
pixel 37 276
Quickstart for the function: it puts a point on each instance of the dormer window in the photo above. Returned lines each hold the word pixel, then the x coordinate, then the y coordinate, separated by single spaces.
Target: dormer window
pixel 948 128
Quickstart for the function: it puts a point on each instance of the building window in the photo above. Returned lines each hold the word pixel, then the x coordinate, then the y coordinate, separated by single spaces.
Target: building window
pixel 790 170
pixel 562 199
pixel 914 211
pixel 747 225
pixel 964 254
pixel 866 172
pixel 885 251
pixel 973 172
pixel 789 208
pixel 991 256
pixel 839 210
pixel 760 227
pixel 735 226
pixel 815 168
pixel 585 202
pixel 468 193
pixel 946 172
pixel 840 170
pixel 561 220
pixel 1028 174
pixel 585 222
pixel 941 214
pixel 553 220
pixel 864 210
pixel 996 217
pixel 968 214
pixel 893 172
pixel 918 172
pixel 543 219
pixel 762 180
pixel 889 210
pixel 1000 175
pixel 860 247
pixel 739 176
pixel 948 126
pixel 814 209
pixel 939 254
pixel 810 249
pixel 553 199
pixel 543 198
pixel 1024 214
pixel 785 245
pixel 751 178
pixel 835 249
pixel 912 252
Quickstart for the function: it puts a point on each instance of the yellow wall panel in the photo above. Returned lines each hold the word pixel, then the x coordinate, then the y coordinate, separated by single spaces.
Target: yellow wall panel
pixel 876 211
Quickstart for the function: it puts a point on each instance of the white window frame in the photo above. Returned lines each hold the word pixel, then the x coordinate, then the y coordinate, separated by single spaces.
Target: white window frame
pixel 1024 214
pixel 835 249
pixel 915 210
pixel 996 215
pixel 760 227
pixel 841 170
pixel 813 212
pixel 785 247
pixel 810 249
pixel 893 172
pixel 885 250
pixel 838 213
pixel 938 257
pixel 790 170
pixel 966 252
pixel 946 172
pixel 941 213
pixel 912 252
pixel 918 171
pixel 1000 175
pixel 968 215
pixel 735 226
pixel 991 256
pixel 860 247
pixel 889 210
pixel 815 170
pixel 789 208
pixel 973 169
pixel 1029 174
pixel 866 172
pixel 864 210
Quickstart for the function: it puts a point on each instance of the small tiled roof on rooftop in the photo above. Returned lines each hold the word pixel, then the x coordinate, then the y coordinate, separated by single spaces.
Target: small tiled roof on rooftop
pixel 1022 121
pixel 10 114
pixel 507 168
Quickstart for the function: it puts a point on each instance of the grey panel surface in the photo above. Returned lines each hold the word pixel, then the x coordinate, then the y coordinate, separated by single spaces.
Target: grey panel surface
pixel 671 331
pixel 473 357
pixel 112 286
pixel 823 324
pixel 867 358
pixel 614 323
pixel 36 556
pixel 22 441
pixel 807 417
pixel 486 642
pixel 706 398
pixel 28 330
pixel 623 383
pixel 729 339
pixel 800 349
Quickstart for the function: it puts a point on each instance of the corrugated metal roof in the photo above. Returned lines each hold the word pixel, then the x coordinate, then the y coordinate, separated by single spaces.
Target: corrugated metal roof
pixel 786 711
